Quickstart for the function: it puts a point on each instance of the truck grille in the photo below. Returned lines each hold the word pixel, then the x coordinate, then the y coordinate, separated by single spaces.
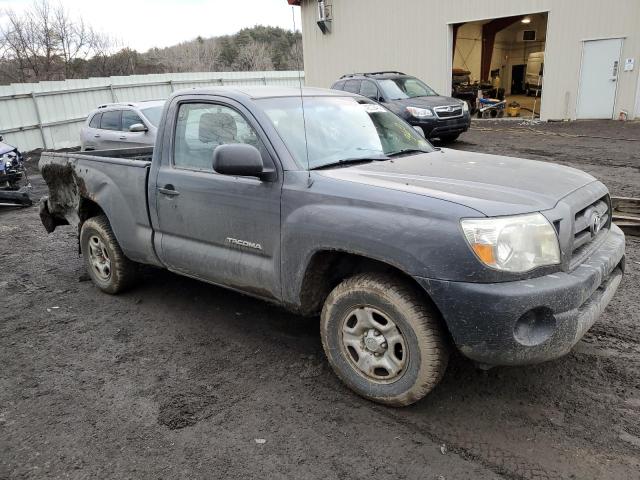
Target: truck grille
pixel 450 111
pixel 589 223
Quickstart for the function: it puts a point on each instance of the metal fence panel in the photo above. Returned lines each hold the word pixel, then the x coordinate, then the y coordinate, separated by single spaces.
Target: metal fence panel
pixel 50 114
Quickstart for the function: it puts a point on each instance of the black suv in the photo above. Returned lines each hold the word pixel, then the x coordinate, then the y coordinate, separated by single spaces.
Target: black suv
pixel 439 117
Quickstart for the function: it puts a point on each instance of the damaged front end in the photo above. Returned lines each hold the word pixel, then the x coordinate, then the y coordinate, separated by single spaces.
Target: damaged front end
pixel 14 181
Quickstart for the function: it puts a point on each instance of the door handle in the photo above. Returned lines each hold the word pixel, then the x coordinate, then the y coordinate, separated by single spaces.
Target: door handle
pixel 122 138
pixel 97 135
pixel 169 190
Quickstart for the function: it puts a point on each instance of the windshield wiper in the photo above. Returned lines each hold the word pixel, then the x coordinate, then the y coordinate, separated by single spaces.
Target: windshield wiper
pixel 405 151
pixel 351 161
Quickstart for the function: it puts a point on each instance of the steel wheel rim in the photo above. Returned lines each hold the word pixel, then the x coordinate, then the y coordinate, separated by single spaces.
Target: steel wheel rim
pixel 374 345
pixel 99 258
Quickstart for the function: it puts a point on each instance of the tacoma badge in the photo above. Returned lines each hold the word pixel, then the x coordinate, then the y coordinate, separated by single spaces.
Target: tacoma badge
pixel 244 243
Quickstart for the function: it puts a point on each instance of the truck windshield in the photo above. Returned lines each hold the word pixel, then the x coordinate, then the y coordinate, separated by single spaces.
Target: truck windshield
pixel 340 128
pixel 405 87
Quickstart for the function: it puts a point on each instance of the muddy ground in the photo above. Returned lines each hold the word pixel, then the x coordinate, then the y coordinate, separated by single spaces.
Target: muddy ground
pixel 179 379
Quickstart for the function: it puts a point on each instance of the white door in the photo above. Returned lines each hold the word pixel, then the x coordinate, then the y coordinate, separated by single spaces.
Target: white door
pixel 599 78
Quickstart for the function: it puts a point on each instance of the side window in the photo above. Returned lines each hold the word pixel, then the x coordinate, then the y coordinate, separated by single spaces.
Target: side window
pixel 352 86
pixel 338 85
pixel 95 121
pixel 368 89
pixel 129 118
pixel 111 120
pixel 201 127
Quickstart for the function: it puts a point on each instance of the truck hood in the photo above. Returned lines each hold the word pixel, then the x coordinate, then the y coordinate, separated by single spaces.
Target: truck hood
pixel 491 184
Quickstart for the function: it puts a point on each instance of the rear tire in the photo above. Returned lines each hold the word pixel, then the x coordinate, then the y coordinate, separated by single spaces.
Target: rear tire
pixel 383 340
pixel 110 270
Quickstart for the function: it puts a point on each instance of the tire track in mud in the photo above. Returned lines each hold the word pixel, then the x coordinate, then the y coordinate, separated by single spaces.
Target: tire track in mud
pixel 457 441
pixel 495 459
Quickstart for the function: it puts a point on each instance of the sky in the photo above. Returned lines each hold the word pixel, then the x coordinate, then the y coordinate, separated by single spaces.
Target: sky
pixel 143 24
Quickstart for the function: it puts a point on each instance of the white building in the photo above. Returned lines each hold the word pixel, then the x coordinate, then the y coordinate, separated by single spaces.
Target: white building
pixel 591 47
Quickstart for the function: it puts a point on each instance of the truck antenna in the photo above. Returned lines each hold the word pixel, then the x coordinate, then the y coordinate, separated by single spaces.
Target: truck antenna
pixel 304 119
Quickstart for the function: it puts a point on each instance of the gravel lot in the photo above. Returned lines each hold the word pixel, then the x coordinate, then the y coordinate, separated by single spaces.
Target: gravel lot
pixel 179 379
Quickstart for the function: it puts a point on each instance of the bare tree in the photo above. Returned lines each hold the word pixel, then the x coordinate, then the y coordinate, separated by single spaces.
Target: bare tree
pixel 45 43
pixel 76 40
pixel 199 55
pixel 253 56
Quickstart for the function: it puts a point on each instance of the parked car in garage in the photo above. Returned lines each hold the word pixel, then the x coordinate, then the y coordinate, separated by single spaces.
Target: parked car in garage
pixel 121 125
pixel 463 89
pixel 413 100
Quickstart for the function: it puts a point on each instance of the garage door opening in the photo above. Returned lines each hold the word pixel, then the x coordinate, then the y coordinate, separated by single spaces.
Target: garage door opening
pixel 498 65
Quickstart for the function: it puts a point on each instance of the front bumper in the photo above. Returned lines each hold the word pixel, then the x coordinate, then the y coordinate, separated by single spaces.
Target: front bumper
pixel 530 321
pixel 434 127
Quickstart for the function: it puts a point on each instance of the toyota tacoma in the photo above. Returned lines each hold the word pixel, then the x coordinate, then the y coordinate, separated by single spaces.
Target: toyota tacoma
pixel 327 203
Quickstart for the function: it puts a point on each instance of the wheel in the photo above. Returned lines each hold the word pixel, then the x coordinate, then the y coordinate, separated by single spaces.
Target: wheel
pixel 383 340
pixel 107 266
pixel 449 138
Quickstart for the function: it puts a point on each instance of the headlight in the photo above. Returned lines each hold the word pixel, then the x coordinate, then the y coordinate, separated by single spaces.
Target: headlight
pixel 513 244
pixel 420 112
pixel 465 107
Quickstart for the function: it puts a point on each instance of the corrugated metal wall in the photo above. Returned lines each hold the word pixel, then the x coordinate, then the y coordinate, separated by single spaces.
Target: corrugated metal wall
pixel 49 114
pixel 415 36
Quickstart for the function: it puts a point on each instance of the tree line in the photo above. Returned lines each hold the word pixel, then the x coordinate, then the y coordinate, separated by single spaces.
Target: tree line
pixel 47 43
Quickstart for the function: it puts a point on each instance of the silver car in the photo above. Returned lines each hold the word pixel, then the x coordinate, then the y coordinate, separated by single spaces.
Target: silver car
pixel 121 125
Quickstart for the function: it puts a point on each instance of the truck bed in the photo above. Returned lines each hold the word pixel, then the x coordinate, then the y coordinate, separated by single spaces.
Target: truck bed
pixel 140 153
pixel 114 181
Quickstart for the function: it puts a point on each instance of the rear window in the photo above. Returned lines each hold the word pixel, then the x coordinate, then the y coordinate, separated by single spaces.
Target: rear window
pixel 95 121
pixel 111 120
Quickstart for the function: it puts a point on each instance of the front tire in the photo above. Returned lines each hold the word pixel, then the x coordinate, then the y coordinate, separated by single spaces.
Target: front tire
pixel 110 270
pixel 383 340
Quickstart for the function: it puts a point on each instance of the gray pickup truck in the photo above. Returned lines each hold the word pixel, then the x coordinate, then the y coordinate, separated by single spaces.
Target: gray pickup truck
pixel 342 209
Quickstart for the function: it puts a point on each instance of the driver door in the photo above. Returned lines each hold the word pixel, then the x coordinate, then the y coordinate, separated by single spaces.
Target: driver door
pixel 219 228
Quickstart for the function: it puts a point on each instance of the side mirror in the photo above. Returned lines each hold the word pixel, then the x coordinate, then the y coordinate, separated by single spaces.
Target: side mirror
pixel 419 130
pixel 239 160
pixel 138 127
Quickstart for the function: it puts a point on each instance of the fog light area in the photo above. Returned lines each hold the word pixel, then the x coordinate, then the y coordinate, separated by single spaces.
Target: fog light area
pixel 535 327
